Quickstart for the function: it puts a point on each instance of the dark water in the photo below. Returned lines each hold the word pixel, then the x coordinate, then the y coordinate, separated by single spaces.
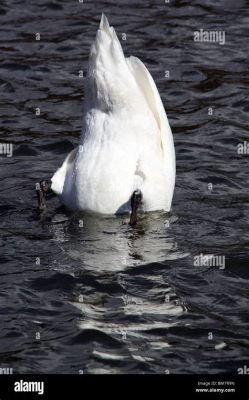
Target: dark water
pixel 103 297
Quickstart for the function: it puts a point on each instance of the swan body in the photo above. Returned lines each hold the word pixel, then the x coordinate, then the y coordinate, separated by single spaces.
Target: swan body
pixel 126 142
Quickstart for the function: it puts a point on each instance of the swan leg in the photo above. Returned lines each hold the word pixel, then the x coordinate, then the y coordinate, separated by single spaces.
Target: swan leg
pixel 136 200
pixel 42 189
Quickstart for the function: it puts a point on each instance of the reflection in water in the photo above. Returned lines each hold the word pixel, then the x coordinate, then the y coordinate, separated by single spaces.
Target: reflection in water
pixel 107 249
pixel 110 244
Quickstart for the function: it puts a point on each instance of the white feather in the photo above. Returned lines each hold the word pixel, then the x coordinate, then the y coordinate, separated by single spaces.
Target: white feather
pixel 126 141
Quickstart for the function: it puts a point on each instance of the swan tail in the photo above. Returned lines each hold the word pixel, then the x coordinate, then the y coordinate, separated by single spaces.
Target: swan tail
pixel 107 69
pixel 106 50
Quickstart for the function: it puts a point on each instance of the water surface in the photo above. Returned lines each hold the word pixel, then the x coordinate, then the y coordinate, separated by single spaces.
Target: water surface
pixel 83 293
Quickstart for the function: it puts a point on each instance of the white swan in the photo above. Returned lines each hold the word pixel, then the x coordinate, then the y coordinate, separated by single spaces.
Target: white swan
pixel 126 147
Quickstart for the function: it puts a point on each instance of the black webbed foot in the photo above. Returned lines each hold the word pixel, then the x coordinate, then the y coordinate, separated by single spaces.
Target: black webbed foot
pixel 42 189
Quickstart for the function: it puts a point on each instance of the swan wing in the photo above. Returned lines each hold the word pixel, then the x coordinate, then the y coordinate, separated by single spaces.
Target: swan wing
pixel 150 92
pixel 60 176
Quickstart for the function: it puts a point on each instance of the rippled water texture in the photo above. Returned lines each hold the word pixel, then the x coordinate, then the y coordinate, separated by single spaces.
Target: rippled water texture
pixel 80 292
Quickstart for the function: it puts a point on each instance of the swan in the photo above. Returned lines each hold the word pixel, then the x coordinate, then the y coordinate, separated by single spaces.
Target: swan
pixel 126 157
